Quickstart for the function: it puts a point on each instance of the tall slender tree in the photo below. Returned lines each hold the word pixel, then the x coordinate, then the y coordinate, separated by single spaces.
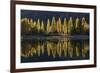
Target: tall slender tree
pixel 59 25
pixel 53 25
pixel 77 29
pixel 42 26
pixel 65 26
pixel 38 25
pixel 31 23
pixel 48 28
pixel 70 25
pixel 85 25
pixel 34 25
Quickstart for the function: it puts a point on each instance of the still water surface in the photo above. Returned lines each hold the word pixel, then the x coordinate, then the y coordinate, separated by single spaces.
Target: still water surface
pixel 54 49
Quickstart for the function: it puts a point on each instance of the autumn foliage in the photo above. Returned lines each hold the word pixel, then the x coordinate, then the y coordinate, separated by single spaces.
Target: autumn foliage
pixel 58 26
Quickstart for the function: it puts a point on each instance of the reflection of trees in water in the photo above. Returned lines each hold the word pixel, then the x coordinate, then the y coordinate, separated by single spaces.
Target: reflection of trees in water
pixel 70 48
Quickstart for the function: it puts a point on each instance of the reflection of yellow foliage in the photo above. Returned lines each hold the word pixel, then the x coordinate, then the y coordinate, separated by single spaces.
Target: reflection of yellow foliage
pixel 48 48
pixel 42 48
pixel 60 48
pixel 65 48
pixel 54 50
pixel 70 49
pixel 77 51
pixel 38 49
pixel 85 50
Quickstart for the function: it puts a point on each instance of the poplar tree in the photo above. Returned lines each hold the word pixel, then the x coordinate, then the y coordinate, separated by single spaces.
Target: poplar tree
pixel 38 25
pixel 85 25
pixel 42 26
pixel 70 25
pixel 59 27
pixel 53 24
pixel 65 26
pixel 48 28
pixel 31 23
pixel 77 25
pixel 28 24
pixel 34 25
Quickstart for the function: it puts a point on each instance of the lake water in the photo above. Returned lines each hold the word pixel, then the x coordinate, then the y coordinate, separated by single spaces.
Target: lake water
pixel 42 49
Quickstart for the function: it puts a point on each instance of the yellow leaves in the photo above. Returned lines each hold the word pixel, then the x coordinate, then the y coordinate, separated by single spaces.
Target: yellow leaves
pixel 48 28
pixel 77 51
pixel 83 21
pixel 25 27
pixel 59 26
pixel 84 24
pixel 42 26
pixel 60 48
pixel 85 49
pixel 38 49
pixel 77 23
pixel 70 25
pixel 65 47
pixel 34 50
pixel 31 23
pixel 70 49
pixel 34 25
pixel 48 48
pixel 65 26
pixel 53 50
pixel 38 25
pixel 57 49
pixel 42 48
pixel 53 25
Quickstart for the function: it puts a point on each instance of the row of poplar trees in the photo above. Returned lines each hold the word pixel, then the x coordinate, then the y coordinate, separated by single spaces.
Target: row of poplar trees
pixel 54 26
